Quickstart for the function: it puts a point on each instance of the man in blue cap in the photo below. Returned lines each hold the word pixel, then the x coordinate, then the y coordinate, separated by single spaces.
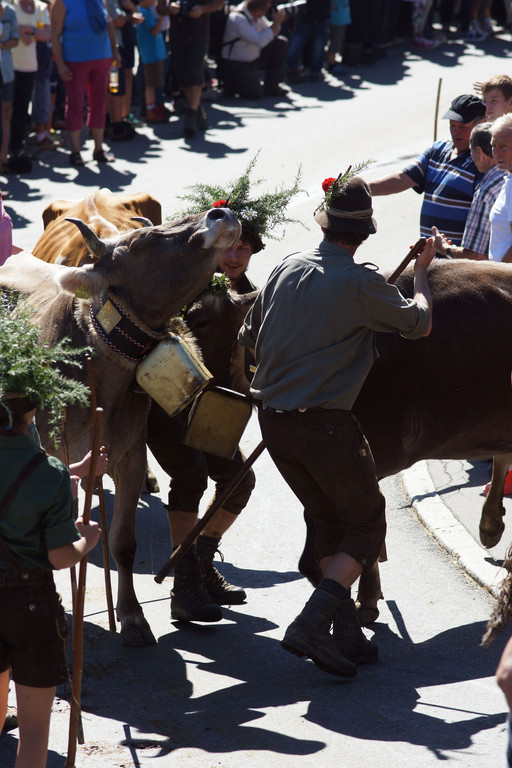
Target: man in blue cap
pixel 445 173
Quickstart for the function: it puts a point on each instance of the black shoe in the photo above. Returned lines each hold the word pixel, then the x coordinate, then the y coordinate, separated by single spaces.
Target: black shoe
pixel 18 163
pixel 122 131
pixel 350 638
pixel 190 126
pixel 100 156
pixel 76 159
pixel 220 591
pixel 189 599
pixel 201 119
pixel 276 90
pixel 309 635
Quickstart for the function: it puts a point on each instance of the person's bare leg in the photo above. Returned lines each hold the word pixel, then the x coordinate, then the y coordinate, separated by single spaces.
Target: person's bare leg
pixel 34 711
pixel 4 693
pixel 74 140
pixel 97 135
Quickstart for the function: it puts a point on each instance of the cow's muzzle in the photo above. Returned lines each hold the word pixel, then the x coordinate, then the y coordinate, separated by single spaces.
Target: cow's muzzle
pixel 222 229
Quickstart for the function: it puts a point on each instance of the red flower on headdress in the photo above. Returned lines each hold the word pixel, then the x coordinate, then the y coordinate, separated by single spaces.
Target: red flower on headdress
pixel 327 183
pixel 220 204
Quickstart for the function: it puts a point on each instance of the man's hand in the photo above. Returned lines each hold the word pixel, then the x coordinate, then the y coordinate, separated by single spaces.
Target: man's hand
pixel 441 243
pixel 278 16
pixel 424 259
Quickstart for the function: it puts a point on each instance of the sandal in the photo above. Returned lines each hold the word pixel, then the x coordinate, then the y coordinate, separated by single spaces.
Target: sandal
pixel 100 156
pixel 75 158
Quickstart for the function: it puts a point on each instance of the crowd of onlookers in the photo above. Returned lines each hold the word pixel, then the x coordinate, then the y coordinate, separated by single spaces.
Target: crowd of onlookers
pixel 117 57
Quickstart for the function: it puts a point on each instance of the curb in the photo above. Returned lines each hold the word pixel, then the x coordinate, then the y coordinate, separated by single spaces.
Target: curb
pixel 447 530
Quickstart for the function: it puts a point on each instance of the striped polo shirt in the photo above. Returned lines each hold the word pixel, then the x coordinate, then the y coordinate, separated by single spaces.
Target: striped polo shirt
pixel 449 186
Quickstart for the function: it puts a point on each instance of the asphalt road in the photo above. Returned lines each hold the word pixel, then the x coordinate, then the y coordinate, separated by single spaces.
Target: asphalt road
pixel 228 695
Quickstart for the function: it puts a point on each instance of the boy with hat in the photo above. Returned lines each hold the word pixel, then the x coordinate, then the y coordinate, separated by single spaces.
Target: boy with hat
pixel 445 173
pixel 37 528
pixel 199 589
pixel 312 328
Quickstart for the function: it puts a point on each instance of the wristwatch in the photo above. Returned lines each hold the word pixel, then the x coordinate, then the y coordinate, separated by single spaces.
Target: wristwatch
pixel 448 252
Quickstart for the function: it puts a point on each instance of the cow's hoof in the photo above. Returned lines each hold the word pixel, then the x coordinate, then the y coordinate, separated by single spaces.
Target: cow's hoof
pixel 366 615
pixel 150 484
pixel 136 633
pixel 490 538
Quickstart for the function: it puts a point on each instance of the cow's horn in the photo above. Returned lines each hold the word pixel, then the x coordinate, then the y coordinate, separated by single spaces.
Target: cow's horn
pixel 143 219
pixel 95 246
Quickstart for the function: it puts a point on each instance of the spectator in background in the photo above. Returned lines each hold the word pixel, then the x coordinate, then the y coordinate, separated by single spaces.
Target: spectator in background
pixel 84 46
pixel 153 54
pixel 497 96
pixel 312 28
pixel 252 46
pixel 500 248
pixel 9 39
pixel 117 128
pixel 339 19
pixel 5 234
pixel 445 173
pixel 475 241
pixel 189 37
pixel 33 25
pixel 42 97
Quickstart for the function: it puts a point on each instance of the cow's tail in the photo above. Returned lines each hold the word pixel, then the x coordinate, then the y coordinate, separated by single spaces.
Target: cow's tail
pixel 503 608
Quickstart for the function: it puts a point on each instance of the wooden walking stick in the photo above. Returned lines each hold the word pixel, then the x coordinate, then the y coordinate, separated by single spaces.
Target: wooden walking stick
pixel 226 493
pixel 78 617
pixel 103 513
pixel 217 504
pixel 437 107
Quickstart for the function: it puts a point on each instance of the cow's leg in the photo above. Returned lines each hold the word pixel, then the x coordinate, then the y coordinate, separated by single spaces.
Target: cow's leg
pixel 128 477
pixel 491 520
pixel 368 595
pixel 150 482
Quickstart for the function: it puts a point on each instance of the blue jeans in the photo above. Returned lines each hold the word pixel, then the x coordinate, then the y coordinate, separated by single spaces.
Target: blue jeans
pixel 314 31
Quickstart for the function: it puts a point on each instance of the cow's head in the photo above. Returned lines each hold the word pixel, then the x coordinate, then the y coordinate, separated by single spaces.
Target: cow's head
pixel 157 270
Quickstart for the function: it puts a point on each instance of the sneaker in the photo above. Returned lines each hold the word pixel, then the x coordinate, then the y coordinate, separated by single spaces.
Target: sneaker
pixel 489 27
pixel 46 143
pixel 425 43
pixel 276 90
pixel 475 33
pixel 296 76
pixel 156 116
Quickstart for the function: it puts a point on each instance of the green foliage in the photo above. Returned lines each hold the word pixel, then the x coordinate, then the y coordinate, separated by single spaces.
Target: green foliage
pixel 262 215
pixel 32 368
pixel 335 187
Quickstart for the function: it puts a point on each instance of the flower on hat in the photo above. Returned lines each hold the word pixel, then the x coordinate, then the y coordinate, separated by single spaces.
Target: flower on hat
pixel 261 215
pixel 333 187
pixel 327 183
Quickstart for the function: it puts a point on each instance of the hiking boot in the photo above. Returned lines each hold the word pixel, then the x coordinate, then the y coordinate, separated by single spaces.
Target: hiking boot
pixel 308 635
pixel 350 638
pixel 201 119
pixel 189 599
pixel 190 126
pixel 220 591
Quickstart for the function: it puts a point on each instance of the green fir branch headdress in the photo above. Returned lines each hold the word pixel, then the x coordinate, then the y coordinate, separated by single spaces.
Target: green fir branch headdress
pixel 30 370
pixel 258 216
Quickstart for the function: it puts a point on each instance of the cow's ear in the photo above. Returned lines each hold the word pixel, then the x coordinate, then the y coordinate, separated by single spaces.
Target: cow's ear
pixel 82 282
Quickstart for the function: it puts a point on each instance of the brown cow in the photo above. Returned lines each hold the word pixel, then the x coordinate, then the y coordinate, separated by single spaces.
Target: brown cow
pixel 447 395
pixel 107 214
pixel 150 274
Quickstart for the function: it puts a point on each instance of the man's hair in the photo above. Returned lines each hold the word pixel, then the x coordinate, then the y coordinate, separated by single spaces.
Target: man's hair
pixel 502 82
pixel 344 238
pixel 502 124
pixel 256 5
pixel 481 137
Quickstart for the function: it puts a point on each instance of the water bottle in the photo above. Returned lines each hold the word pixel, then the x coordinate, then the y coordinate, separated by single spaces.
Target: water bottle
pixel 113 79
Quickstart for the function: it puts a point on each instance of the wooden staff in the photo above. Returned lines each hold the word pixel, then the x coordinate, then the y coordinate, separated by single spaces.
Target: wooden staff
pixel 78 617
pixel 226 493
pixel 103 513
pixel 437 106
pixel 217 504
pixel 415 250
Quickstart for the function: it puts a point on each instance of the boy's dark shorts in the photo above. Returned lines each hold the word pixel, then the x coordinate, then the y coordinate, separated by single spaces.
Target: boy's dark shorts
pixel 33 629
pixel 154 74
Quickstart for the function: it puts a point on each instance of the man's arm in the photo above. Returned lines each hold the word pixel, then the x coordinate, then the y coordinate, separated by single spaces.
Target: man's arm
pixel 391 184
pixel 422 295
pixel 445 248
pixel 508 255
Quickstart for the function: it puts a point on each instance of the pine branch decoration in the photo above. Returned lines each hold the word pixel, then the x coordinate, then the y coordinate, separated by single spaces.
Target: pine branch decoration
pixel 33 368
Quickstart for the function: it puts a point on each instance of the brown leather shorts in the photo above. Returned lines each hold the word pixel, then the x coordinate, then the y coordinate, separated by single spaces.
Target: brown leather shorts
pixel 33 629
pixel 325 459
